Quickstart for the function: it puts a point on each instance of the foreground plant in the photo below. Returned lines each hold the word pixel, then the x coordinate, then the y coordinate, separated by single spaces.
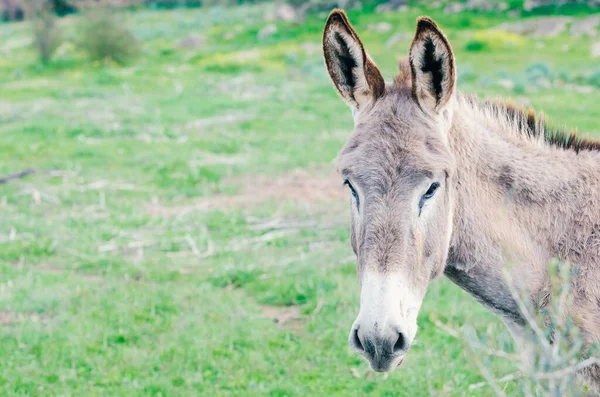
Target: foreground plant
pixel 552 349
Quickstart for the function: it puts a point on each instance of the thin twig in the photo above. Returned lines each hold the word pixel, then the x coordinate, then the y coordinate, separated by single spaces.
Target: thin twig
pixel 193 245
pixel 79 255
pixel 453 333
pixel 528 317
pixel 318 308
pixel 17 175
pixel 569 370
pixel 486 374
pixel 507 378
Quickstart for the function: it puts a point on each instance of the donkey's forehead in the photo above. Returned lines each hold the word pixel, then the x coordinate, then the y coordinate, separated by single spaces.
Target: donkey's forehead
pixel 396 116
pixel 394 135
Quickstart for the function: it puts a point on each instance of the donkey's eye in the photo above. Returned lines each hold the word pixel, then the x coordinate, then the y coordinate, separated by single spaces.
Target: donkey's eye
pixel 428 194
pixel 354 194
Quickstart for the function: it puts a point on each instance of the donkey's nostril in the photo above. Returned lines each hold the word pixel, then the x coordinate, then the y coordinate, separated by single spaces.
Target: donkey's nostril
pixel 355 341
pixel 400 343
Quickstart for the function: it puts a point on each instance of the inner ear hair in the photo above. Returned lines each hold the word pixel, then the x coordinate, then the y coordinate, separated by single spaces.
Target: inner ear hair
pixel 432 65
pixel 354 74
pixel 346 63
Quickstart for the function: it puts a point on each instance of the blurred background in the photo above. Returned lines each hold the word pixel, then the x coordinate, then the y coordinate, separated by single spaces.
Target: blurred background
pixel 171 223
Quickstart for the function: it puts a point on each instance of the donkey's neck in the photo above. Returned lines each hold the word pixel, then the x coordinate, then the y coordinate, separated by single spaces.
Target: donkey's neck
pixel 520 202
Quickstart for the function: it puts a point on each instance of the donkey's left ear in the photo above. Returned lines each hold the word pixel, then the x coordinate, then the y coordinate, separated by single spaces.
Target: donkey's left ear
pixel 432 66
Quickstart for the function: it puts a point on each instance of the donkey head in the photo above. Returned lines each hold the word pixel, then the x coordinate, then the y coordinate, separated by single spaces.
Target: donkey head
pixel 398 168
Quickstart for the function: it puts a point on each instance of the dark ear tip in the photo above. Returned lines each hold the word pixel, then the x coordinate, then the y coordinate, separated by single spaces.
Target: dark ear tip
pixel 426 23
pixel 337 15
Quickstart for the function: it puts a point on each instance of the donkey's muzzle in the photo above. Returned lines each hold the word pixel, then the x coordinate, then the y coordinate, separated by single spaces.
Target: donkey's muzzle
pixel 384 350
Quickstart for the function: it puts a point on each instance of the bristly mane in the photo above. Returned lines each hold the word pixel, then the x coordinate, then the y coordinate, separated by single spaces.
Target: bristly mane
pixel 524 120
pixel 532 127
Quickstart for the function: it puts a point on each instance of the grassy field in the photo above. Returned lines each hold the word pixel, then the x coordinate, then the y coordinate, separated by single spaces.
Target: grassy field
pixel 185 233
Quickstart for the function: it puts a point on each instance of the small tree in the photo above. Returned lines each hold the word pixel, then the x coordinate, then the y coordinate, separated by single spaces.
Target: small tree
pixel 46 34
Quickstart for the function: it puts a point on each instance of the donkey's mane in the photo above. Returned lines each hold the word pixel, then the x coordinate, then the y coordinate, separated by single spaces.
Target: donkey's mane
pixel 531 127
pixel 517 117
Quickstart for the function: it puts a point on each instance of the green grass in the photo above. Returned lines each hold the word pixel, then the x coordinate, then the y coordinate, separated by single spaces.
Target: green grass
pixel 143 258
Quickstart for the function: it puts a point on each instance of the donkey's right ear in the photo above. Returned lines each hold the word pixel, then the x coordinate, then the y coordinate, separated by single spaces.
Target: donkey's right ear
pixel 432 66
pixel 353 73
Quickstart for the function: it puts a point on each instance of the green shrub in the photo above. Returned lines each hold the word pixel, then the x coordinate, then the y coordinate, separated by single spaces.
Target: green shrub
pixel 104 35
pixel 475 46
pixel 494 40
pixel 593 78
pixel 326 5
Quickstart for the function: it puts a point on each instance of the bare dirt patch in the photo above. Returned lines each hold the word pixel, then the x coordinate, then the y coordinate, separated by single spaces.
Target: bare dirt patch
pixel 315 185
pixel 230 118
pixel 537 27
pixel 311 185
pixel 55 270
pixel 587 26
pixel 244 87
pixel 595 50
pixel 288 317
pixel 8 318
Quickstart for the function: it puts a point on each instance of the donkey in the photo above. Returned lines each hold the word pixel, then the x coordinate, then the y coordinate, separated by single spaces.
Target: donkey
pixel 441 182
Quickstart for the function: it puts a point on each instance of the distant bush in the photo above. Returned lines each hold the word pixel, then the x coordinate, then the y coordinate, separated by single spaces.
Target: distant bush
pixel 181 3
pixel 18 10
pixel 475 46
pixel 46 34
pixel 102 34
pixel 545 6
pixel 12 10
pixel 301 3
pixel 324 4
pixel 593 78
pixel 494 40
